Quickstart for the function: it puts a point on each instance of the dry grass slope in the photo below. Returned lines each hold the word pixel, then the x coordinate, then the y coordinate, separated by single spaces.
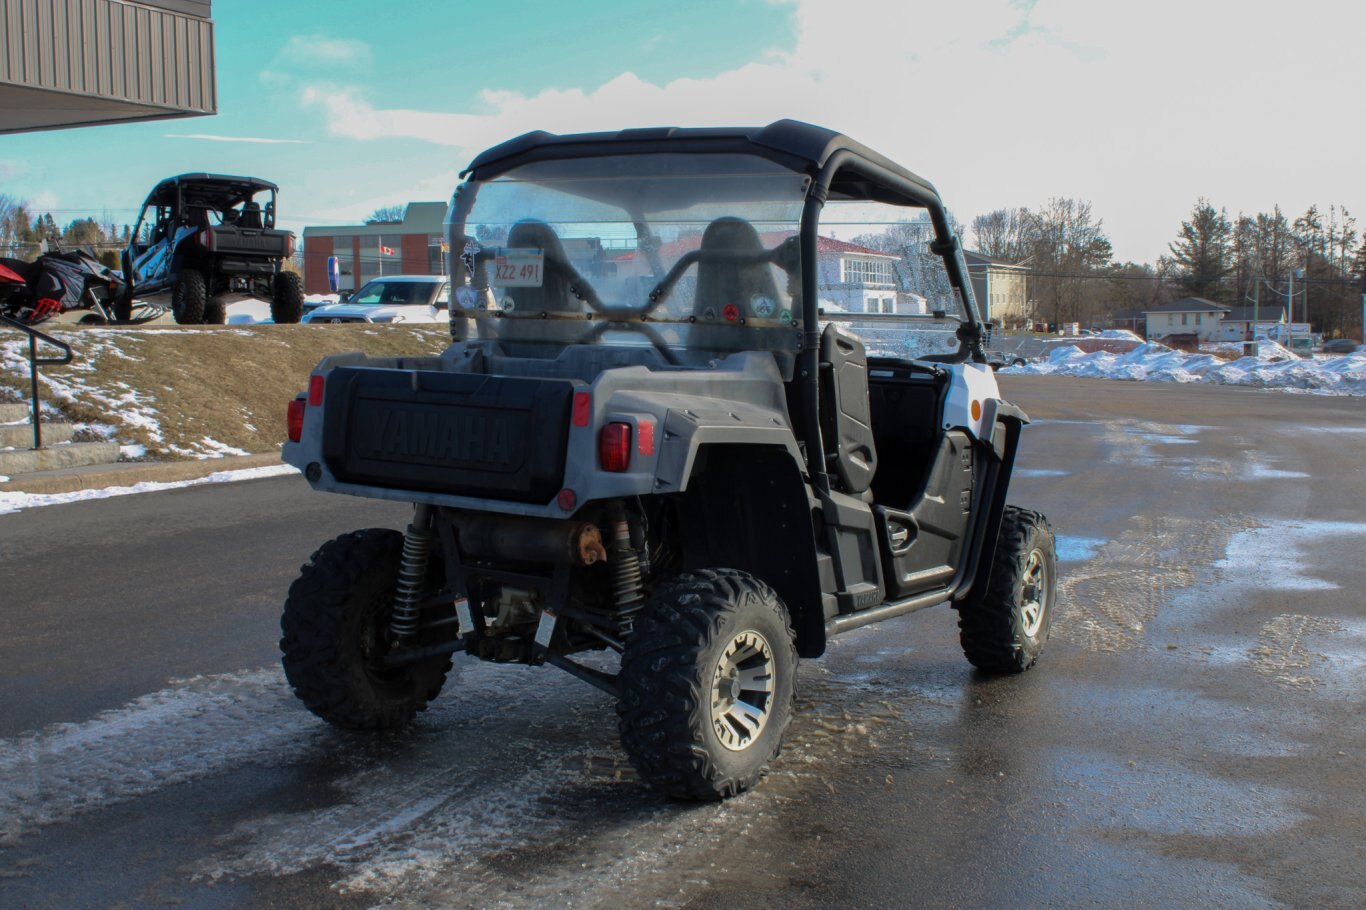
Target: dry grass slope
pixel 190 392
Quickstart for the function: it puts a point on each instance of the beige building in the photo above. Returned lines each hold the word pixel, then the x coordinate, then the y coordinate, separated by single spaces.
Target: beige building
pixel 1001 289
pixel 66 63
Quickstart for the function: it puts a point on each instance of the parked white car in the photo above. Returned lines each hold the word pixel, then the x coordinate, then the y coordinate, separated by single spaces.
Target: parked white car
pixel 393 298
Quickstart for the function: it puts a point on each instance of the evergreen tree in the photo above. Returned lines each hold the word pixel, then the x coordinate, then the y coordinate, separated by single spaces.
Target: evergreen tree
pixel 1201 254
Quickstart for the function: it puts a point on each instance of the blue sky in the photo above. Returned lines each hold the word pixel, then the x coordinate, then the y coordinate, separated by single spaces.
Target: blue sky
pixel 1139 108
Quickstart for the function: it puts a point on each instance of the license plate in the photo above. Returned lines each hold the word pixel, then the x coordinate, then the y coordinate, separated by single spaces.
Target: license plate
pixel 519 269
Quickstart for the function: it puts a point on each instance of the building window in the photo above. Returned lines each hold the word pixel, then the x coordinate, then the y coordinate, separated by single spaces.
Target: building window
pixel 381 254
pixel 877 273
pixel 1184 318
pixel 436 257
pixel 1171 320
pixel 1197 318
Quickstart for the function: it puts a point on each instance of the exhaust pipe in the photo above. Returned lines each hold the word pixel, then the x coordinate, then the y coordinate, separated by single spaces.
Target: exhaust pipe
pixel 530 539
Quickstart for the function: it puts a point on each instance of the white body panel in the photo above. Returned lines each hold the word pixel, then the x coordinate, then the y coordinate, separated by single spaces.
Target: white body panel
pixel 971 382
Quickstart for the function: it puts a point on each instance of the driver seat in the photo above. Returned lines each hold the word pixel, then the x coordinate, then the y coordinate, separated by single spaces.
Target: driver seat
pixel 732 280
pixel 555 293
pixel 250 217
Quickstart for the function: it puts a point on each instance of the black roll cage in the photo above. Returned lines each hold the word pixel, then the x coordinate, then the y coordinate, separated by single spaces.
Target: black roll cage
pixel 170 194
pixel 836 166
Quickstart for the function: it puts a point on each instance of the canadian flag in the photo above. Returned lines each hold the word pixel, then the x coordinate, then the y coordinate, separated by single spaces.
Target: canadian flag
pixel 386 251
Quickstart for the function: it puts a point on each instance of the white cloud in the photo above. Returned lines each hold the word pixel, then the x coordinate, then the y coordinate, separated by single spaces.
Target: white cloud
pixel 422 188
pixel 253 139
pixel 12 170
pixel 1139 108
pixel 311 50
pixel 44 201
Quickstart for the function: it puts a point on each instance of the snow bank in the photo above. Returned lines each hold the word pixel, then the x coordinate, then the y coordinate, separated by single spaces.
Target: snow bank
pixel 1274 368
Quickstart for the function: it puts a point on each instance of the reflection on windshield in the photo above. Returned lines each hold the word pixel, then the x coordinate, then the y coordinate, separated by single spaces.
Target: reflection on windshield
pixel 879 279
pixel 687 253
pixel 682 252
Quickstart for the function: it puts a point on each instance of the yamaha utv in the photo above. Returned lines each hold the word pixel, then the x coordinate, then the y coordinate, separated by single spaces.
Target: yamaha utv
pixel 713 396
pixel 201 237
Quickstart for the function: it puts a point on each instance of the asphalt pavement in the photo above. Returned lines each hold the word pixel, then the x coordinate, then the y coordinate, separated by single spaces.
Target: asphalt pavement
pixel 1192 735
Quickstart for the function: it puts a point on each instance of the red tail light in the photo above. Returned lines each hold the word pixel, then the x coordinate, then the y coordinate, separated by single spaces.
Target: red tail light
pixel 315 391
pixel 289 245
pixel 583 408
pixel 614 447
pixel 207 239
pixel 294 419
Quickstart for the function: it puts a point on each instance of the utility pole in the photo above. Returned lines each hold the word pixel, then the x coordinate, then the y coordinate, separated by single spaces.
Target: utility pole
pixel 1256 298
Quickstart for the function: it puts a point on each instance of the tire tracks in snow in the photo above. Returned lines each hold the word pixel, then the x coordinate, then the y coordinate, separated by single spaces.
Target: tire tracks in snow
pixel 438 815
pixel 1108 602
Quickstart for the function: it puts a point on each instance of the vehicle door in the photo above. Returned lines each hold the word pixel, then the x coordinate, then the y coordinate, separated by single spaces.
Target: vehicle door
pixel 150 249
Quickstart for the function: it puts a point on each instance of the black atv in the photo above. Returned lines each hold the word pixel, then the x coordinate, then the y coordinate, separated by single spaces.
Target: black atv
pixel 647 439
pixel 203 237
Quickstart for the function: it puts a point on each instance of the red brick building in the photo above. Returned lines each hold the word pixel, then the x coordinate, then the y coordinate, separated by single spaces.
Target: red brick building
pixel 412 246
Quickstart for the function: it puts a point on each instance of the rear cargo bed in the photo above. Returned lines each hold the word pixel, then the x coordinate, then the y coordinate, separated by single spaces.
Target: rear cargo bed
pixel 458 433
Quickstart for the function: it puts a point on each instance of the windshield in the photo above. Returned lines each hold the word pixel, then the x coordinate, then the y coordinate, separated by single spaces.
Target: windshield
pixel 879 279
pixel 688 253
pixel 393 293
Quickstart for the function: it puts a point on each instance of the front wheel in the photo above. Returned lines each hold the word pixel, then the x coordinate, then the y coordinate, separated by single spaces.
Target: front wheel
pixel 1004 629
pixel 335 627
pixel 286 298
pixel 123 301
pixel 707 684
pixel 189 296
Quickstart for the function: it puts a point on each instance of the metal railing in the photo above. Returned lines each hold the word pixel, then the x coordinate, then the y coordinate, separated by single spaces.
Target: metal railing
pixel 34 362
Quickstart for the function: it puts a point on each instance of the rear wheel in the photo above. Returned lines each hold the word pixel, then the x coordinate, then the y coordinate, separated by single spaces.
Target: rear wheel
pixel 216 311
pixel 335 627
pixel 707 684
pixel 287 298
pixel 1004 630
pixel 189 296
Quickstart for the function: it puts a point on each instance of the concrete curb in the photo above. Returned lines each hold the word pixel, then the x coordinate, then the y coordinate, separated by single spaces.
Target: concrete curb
pixel 98 477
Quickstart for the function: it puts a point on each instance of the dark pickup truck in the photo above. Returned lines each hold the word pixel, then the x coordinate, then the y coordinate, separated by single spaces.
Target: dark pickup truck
pixel 201 237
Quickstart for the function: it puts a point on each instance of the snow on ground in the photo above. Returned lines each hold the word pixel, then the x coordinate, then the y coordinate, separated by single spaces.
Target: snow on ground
pixel 249 311
pixel 1273 368
pixel 13 502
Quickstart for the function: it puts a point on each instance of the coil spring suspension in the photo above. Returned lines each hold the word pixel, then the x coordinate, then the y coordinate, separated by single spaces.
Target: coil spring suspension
pixel 627 590
pixel 412 574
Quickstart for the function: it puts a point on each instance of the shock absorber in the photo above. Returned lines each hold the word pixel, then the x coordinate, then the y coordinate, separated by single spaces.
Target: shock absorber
pixel 412 573
pixel 627 591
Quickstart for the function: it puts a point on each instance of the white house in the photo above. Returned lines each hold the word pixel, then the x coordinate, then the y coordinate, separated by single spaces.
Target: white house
pixel 857 279
pixel 1187 316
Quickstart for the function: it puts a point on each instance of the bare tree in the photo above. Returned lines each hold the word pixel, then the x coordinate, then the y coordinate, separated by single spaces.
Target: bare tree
pixel 1070 251
pixel 1003 234
pixel 387 214
pixel 16 228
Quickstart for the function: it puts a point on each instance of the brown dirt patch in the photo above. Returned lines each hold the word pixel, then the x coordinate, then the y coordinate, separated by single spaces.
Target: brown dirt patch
pixel 189 392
